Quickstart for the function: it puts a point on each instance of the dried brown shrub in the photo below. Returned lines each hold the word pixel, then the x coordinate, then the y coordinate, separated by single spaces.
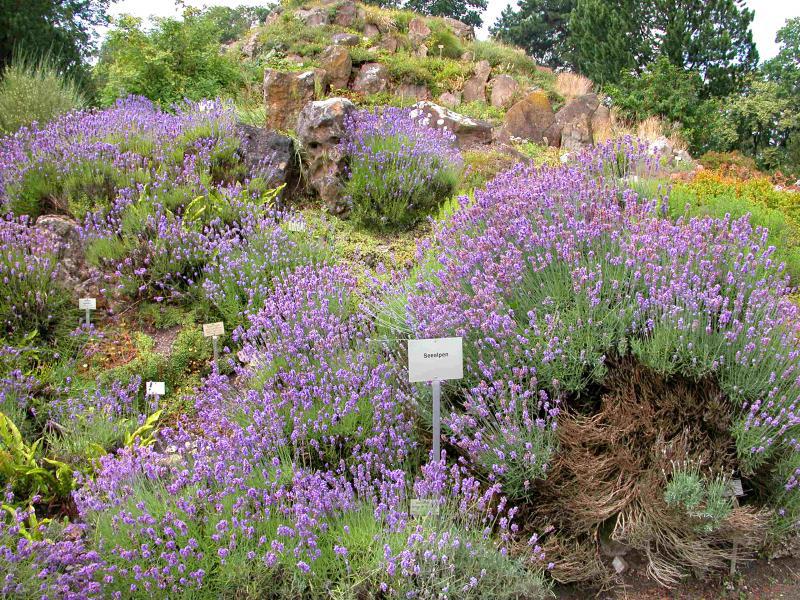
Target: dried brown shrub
pixel 618 446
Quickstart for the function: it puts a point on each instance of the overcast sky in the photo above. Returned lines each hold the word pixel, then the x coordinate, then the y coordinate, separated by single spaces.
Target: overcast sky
pixel 770 15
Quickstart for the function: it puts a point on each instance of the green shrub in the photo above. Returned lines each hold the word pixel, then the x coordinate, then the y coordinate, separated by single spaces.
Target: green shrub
pixel 707 502
pixel 442 35
pixel 176 60
pixel 34 91
pixel 437 74
pixel 483 111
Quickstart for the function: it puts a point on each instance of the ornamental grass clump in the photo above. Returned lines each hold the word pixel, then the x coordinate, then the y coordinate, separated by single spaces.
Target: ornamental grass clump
pixel 602 345
pixel 400 168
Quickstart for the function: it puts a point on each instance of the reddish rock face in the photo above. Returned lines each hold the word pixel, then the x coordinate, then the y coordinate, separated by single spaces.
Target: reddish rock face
pixel 346 14
pixel 418 30
pixel 504 89
pixel 336 62
pixel 533 119
pixel 475 88
pixel 410 91
pixel 371 79
pixel 286 93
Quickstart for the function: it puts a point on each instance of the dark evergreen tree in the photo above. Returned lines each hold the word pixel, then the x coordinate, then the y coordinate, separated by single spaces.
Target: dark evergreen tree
pixel 540 27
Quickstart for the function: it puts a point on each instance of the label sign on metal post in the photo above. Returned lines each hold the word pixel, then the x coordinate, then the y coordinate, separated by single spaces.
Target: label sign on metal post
pixel 155 388
pixel 87 304
pixel 214 329
pixel 436 359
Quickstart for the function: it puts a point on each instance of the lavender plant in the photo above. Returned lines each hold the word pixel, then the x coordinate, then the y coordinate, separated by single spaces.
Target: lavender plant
pixel 400 169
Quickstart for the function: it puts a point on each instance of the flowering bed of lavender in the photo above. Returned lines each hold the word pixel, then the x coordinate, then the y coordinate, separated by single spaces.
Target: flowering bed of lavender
pixel 288 472
pixel 400 170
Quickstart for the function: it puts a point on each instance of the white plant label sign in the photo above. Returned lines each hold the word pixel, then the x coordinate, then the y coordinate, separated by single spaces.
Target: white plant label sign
pixel 155 388
pixel 214 329
pixel 435 359
pixel 87 303
pixel 296 226
pixel 423 508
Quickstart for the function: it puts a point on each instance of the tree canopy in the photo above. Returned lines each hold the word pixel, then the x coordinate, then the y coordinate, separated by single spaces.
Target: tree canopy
pixel 60 29
pixel 540 27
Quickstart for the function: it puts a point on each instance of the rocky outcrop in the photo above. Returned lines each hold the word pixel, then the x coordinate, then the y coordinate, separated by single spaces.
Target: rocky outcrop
pixel 345 39
pixel 450 99
pixel 465 32
pixel 504 89
pixel 418 30
pixel 475 87
pixel 574 122
pixel 314 17
pixel 346 14
pixel 410 91
pixel 371 79
pixel 532 119
pixel 286 93
pixel 252 45
pixel 468 131
pixel 320 129
pixel 371 30
pixel 336 62
pixel 72 270
pixel 269 155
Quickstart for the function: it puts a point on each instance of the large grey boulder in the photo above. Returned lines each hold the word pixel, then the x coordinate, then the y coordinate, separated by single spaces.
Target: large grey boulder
pixel 269 155
pixel 72 272
pixel 574 121
pixel 467 130
pixel 320 130
pixel 418 30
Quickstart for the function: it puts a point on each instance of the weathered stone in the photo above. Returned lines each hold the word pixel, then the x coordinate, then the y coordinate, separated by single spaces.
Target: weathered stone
pixel 314 17
pixel 575 122
pixel 346 14
pixel 468 56
pixel 371 79
pixel 450 100
pixel 418 30
pixel 532 119
pixel 345 39
pixel 389 43
pixel 269 155
pixel 320 129
pixel 462 30
pixel 286 93
pixel 421 51
pixel 410 91
pixel 296 59
pixel 371 30
pixel 251 45
pixel 504 89
pixel 73 270
pixel 336 62
pixel 601 120
pixel 475 87
pixel 468 131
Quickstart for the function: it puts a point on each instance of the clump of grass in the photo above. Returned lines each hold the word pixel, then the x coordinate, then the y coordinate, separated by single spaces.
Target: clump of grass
pixel 573 85
pixel 35 91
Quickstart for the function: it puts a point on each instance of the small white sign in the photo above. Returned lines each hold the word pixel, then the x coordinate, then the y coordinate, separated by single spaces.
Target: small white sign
pixel 214 329
pixel 87 303
pixel 155 388
pixel 436 359
pixel 423 508
pixel 296 226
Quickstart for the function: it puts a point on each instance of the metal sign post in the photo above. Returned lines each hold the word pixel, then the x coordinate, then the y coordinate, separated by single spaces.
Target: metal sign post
pixel 434 360
pixel 214 331
pixel 88 304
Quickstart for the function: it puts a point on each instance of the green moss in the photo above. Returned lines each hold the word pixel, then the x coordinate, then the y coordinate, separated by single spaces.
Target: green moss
pixel 439 75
